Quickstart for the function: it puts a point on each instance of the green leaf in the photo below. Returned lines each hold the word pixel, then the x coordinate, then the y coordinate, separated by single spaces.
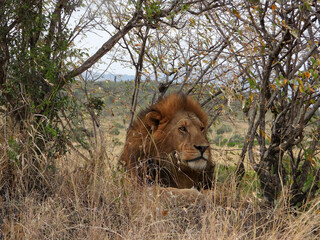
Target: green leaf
pixel 307 5
pixel 252 83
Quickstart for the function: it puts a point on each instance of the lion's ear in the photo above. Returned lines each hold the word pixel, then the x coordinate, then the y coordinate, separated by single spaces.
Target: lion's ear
pixel 153 119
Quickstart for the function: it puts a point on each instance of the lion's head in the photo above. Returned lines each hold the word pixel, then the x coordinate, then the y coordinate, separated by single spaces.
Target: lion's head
pixel 168 143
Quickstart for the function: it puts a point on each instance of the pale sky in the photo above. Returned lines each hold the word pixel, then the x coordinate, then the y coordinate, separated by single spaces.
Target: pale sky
pixel 93 42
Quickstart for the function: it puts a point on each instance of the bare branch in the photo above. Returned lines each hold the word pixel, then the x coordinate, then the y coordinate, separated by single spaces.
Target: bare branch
pixel 106 47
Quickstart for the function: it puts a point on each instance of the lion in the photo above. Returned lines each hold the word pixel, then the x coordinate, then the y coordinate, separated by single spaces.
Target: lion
pixel 167 144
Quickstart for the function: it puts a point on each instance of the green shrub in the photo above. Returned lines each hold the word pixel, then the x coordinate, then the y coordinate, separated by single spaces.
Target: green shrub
pixel 224 129
pixel 219 141
pixel 115 131
pixel 231 144
pixel 117 141
pixel 118 125
pixel 237 138
pixel 255 142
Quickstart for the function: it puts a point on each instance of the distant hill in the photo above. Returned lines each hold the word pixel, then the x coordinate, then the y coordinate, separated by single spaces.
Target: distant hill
pixel 110 77
pixel 118 77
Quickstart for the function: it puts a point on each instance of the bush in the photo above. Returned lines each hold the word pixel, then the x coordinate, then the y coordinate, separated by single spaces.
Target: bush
pixel 117 141
pixel 231 144
pixel 237 138
pixel 220 141
pixel 118 125
pixel 217 139
pixel 224 129
pixel 115 131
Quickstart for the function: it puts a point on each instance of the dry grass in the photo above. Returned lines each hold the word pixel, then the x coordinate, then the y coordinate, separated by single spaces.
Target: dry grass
pixel 93 201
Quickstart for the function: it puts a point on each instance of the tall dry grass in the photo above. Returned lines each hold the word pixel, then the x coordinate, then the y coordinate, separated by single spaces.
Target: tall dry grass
pixel 93 201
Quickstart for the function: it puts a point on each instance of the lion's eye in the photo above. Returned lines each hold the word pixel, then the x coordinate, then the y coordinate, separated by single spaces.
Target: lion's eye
pixel 183 129
pixel 202 129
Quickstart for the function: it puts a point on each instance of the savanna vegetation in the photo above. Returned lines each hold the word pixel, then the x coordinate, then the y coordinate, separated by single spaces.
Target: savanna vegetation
pixel 253 66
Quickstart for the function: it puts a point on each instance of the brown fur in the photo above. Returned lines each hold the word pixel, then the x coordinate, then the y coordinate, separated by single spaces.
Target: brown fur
pixel 163 144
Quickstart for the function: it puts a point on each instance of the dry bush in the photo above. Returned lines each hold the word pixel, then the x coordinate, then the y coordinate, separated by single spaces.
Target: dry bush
pixel 24 167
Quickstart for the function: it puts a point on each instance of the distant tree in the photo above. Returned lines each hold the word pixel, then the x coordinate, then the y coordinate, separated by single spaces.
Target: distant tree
pixel 275 44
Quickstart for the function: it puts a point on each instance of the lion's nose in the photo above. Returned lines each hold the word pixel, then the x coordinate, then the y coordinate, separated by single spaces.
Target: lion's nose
pixel 201 149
